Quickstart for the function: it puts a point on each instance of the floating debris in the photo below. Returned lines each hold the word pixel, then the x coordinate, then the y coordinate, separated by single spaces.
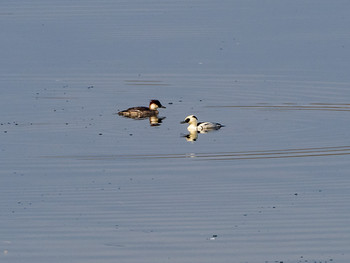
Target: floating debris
pixel 213 237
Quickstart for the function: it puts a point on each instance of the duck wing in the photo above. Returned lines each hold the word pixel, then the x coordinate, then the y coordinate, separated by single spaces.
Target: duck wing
pixel 133 109
pixel 209 126
pixel 138 109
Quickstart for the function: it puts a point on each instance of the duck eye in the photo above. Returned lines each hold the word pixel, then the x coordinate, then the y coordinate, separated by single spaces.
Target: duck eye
pixel 187 120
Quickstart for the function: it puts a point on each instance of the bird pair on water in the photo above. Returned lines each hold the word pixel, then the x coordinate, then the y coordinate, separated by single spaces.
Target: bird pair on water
pixel 151 111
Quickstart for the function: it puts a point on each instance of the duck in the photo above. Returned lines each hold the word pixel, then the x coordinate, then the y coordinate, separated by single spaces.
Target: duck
pixel 142 112
pixel 201 127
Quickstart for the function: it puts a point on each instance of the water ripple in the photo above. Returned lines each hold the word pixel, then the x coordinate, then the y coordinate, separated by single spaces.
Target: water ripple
pixel 291 106
pixel 239 155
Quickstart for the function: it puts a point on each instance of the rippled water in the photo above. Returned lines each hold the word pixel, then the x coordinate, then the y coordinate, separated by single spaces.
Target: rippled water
pixel 80 183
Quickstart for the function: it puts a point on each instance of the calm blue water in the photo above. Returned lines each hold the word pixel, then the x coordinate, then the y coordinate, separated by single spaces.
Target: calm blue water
pixel 80 183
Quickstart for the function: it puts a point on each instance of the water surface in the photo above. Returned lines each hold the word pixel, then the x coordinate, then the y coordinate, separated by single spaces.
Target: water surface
pixel 80 183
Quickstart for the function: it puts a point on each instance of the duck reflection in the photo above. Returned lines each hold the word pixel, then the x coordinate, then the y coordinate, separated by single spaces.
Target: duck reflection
pixel 192 136
pixel 153 120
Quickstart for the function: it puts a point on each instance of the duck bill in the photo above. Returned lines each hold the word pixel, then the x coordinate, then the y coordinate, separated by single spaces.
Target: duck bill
pixel 182 122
